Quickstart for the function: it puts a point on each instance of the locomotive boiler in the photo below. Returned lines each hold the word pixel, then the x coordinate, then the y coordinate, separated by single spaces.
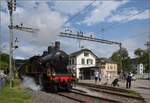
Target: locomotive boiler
pixel 49 70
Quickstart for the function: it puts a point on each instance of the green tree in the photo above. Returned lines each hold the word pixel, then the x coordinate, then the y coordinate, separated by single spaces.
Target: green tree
pixel 139 55
pixel 126 61
pixel 4 61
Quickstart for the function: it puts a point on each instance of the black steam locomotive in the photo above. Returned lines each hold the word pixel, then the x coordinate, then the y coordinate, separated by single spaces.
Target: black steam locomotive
pixel 49 70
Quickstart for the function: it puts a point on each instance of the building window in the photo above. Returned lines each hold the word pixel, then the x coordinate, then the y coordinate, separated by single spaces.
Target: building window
pixel 73 61
pixel 111 67
pixel 82 61
pixel 86 54
pixel 114 67
pixel 103 67
pixel 89 61
pixel 70 62
pixel 108 66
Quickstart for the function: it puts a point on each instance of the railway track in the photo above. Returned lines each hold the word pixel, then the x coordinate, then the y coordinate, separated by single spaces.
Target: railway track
pixel 82 97
pixel 122 95
pixel 89 93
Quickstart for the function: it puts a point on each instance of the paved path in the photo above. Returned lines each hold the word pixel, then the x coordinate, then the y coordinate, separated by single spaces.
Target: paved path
pixel 2 82
pixel 140 86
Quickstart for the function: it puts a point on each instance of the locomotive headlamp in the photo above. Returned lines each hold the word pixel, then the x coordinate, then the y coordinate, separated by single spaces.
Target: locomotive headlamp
pixel 74 74
pixel 53 74
pixel 48 72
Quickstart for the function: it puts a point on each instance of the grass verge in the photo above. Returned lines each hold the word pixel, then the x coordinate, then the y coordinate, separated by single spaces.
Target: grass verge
pixel 15 94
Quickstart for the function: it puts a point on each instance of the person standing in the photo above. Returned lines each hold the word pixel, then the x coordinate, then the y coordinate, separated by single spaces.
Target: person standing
pixel 99 77
pixel 96 76
pixel 128 80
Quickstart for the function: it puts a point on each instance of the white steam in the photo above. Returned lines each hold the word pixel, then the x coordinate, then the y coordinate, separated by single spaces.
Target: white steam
pixel 29 82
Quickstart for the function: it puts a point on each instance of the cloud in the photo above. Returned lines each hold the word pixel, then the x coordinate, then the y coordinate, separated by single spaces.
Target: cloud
pixel 48 21
pixel 4 47
pixel 51 19
pixel 102 11
pixel 26 51
pixel 4 18
pixel 70 7
pixel 135 41
pixel 130 15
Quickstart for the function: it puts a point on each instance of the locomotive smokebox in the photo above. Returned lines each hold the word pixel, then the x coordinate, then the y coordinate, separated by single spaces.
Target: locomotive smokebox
pixel 57 45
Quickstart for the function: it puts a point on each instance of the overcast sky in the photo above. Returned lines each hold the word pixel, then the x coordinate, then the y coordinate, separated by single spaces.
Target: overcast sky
pixel 126 21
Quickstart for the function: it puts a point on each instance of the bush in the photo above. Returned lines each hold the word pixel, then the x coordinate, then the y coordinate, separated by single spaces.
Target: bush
pixel 15 94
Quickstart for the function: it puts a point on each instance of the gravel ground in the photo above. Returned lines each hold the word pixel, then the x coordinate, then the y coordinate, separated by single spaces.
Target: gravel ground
pixel 86 98
pixel 43 97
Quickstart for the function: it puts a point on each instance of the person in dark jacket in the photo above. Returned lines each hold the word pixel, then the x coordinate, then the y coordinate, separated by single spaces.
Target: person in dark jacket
pixel 128 81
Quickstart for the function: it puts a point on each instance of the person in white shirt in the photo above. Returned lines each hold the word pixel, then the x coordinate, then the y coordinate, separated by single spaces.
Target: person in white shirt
pixel 96 76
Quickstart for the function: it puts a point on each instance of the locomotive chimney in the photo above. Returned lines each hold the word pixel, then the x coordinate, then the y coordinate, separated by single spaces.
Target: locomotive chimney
pixel 50 49
pixel 57 45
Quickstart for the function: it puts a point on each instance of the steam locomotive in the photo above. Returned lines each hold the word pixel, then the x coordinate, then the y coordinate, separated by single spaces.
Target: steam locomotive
pixel 49 70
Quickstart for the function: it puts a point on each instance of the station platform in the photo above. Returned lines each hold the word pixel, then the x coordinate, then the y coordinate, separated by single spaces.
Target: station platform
pixel 140 86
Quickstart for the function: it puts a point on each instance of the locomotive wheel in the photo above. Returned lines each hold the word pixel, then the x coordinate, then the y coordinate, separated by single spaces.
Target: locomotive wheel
pixel 68 87
pixel 54 89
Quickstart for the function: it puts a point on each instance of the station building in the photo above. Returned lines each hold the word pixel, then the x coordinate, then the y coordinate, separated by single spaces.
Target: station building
pixel 108 67
pixel 83 62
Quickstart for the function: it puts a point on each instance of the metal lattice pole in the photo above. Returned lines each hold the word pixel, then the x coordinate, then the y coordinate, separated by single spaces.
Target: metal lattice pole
pixel 148 50
pixel 11 8
pixel 149 56
pixel 120 61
